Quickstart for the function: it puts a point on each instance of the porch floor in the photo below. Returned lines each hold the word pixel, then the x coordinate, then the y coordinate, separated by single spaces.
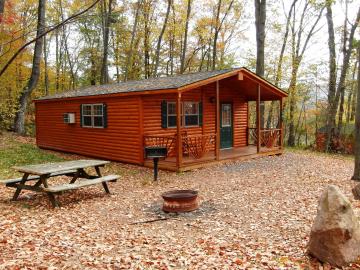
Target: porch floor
pixel 239 153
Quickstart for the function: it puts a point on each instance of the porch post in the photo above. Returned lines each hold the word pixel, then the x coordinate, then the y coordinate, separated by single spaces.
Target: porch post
pixel 281 123
pixel 179 154
pixel 258 124
pixel 217 126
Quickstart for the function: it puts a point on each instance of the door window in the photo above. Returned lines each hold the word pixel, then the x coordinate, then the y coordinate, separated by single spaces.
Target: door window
pixel 226 115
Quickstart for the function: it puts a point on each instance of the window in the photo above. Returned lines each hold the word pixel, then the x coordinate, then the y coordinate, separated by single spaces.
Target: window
pixel 189 114
pixel 93 115
pixel 171 114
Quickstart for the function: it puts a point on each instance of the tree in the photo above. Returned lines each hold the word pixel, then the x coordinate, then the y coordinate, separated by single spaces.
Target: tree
pixel 297 54
pixel 2 7
pixel 107 10
pixel 35 72
pixel 129 60
pixel 158 46
pixel 278 75
pixel 334 95
pixel 260 18
pixel 183 53
pixel 356 175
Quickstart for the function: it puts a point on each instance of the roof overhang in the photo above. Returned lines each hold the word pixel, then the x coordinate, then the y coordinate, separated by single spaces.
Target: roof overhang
pixel 268 90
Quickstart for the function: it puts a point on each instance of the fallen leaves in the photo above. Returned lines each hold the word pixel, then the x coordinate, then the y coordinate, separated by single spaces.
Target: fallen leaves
pixel 254 215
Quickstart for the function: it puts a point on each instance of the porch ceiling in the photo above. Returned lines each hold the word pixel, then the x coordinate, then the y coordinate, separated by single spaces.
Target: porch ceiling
pixel 247 86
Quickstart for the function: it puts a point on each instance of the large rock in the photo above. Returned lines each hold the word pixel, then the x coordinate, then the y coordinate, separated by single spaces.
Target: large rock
pixel 335 234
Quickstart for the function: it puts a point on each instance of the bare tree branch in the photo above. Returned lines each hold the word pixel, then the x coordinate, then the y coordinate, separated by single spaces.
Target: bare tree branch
pixel 44 34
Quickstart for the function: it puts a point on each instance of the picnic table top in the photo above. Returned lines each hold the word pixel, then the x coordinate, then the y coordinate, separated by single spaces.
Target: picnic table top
pixel 48 168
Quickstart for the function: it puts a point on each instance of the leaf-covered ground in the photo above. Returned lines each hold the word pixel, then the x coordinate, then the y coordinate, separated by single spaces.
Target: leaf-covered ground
pixel 253 215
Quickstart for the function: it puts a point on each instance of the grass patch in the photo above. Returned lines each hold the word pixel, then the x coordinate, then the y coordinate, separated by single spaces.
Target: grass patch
pixel 15 154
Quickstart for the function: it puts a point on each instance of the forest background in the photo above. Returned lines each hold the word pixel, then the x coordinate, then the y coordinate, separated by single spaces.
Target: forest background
pixel 310 51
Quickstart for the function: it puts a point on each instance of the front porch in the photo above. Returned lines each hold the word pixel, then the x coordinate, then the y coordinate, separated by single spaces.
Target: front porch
pixel 200 150
pixel 215 122
pixel 226 155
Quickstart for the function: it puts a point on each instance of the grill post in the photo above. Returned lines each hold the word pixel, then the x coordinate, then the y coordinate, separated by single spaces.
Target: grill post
pixel 156 161
pixel 155 153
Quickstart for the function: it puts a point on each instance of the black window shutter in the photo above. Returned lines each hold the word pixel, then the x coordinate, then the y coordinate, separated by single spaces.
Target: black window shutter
pixel 105 115
pixel 81 118
pixel 164 114
pixel 200 113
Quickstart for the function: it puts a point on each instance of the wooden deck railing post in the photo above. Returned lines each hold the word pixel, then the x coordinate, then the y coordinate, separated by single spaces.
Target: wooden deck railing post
pixel 281 123
pixel 258 124
pixel 217 126
pixel 178 130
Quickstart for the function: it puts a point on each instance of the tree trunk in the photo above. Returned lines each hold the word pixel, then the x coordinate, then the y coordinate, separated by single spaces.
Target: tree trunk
pixel 2 7
pixel 183 53
pixel 157 57
pixel 351 96
pixel 297 56
pixel 216 34
pixel 35 72
pixel 332 55
pixel 104 78
pixel 292 104
pixel 260 18
pixel 129 59
pixel 341 113
pixel 356 175
pixel 46 75
pixel 353 104
pixel 341 85
pixel 278 76
pixel 57 61
pixel 146 14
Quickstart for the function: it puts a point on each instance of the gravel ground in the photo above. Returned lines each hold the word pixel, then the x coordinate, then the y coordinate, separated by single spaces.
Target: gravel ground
pixel 254 215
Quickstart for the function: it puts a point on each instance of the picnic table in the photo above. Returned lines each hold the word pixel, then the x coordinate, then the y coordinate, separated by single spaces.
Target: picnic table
pixel 39 174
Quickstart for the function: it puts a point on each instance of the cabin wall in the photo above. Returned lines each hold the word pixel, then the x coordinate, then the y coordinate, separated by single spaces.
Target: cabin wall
pixel 119 141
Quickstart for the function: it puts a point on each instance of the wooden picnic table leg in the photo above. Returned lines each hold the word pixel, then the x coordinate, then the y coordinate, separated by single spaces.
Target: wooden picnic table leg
pixel 18 189
pixel 76 176
pixel 51 196
pixel 105 186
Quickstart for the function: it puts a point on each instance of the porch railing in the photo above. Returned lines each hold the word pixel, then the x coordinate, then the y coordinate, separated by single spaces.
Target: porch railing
pixel 198 145
pixel 168 141
pixel 268 137
pixel 195 146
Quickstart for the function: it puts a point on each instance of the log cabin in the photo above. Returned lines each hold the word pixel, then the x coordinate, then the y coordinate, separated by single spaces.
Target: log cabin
pixel 201 118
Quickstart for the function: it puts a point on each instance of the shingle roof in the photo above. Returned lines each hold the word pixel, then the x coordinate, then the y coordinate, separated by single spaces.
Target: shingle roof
pixel 171 82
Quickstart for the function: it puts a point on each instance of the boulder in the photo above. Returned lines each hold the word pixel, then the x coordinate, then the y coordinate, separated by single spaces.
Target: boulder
pixel 335 234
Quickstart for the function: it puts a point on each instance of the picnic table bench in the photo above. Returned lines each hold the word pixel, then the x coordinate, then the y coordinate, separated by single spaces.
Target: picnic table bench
pixel 41 173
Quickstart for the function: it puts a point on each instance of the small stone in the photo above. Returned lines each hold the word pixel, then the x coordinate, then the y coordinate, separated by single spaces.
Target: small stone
pixel 335 234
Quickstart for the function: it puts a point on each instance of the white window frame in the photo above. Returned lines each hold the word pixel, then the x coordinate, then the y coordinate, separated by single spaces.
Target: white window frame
pixel 182 114
pixel 92 115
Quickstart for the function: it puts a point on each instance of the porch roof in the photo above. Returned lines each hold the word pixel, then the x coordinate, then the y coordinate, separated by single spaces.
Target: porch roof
pixel 247 80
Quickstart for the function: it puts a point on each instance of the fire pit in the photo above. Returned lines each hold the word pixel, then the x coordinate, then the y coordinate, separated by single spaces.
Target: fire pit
pixel 180 201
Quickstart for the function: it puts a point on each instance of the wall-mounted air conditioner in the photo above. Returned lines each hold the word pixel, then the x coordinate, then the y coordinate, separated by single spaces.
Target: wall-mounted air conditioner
pixel 69 118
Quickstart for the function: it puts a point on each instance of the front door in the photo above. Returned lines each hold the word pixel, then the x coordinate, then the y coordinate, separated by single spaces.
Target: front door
pixel 226 128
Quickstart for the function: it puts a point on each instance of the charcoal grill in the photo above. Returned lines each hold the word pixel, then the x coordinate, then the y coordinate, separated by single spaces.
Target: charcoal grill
pixel 155 153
